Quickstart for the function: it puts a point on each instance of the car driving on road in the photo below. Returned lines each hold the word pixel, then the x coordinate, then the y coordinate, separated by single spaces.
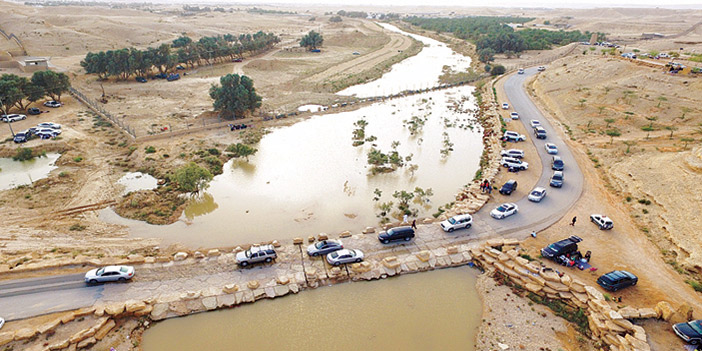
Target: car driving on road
pixel 337 258
pixel 514 153
pixel 457 222
pixel 513 136
pixel 537 194
pixel 557 163
pixel 534 123
pixel 690 331
pixel 405 233
pixel 263 253
pixel 109 274
pixel 551 148
pixel 520 71
pixel 616 280
pixel 503 211
pixel 556 179
pixel 539 132
pixel 541 68
pixel 509 187
pixel 510 162
pixel 324 247
pixel 602 221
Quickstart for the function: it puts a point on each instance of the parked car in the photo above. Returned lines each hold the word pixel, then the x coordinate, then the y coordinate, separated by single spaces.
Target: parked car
pixel 557 163
pixel 556 179
pixel 690 331
pixel 53 104
pixel 537 194
pixel 534 123
pixel 2 322
pixel 394 234
pixel 510 162
pixel 539 132
pixel 180 68
pixel 551 148
pixel 513 136
pixel 238 59
pixel 12 118
pixel 21 137
pixel 520 71
pixel 542 68
pixel 141 79
pixel 561 248
pixel 47 132
pixel 256 254
pixel 324 247
pixel 356 53
pixel 315 50
pixel 51 125
pixel 457 222
pixel 161 76
pixel 602 221
pixel 109 274
pixel 171 77
pixel 344 256
pixel 616 280
pixel 514 153
pixel 33 111
pixel 514 115
pixel 509 187
pixel 505 106
pixel 504 210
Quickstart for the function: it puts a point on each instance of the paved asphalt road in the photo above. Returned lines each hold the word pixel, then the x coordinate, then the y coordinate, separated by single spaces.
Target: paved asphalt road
pixel 29 297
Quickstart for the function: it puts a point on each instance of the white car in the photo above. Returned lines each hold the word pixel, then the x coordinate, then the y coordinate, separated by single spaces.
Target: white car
pixel 324 247
pixel 514 115
pixel 551 148
pixel 534 123
pixel 510 162
pixel 602 221
pixel 542 68
pixel 53 103
pixel 12 118
pixel 47 131
pixel 513 136
pixel 337 258
pixel 504 210
pixel 520 71
pixel 505 106
pixel 109 274
pixel 2 322
pixel 457 222
pixel 537 194
pixel 514 153
pixel 51 125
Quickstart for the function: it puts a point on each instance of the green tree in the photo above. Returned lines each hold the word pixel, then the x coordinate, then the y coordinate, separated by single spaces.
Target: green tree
pixel 51 83
pixel 241 150
pixel 486 55
pixel 96 63
pixel 609 121
pixel 335 19
pixel 497 70
pixel 192 178
pixel 10 92
pixel 235 95
pixel 181 41
pixel 672 130
pixel 312 40
pixel 613 133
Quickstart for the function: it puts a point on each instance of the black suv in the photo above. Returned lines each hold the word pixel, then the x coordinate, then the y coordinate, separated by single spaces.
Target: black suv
pixel 395 234
pixel 540 132
pixel 561 248
pixel 33 111
pixel 21 137
pixel 509 187
pixel 616 280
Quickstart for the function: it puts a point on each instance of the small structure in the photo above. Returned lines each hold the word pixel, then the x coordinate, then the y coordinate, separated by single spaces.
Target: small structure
pixel 32 64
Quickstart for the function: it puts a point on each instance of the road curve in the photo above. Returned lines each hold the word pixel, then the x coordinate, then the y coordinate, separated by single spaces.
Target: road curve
pixel 30 297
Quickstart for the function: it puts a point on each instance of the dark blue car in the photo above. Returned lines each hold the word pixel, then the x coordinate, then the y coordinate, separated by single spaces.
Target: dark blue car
pixel 21 137
pixel 616 280
pixel 395 234
pixel 691 332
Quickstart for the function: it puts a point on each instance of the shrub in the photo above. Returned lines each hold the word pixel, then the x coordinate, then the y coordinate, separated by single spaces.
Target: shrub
pixel 23 154
pixel 78 159
pixel 150 149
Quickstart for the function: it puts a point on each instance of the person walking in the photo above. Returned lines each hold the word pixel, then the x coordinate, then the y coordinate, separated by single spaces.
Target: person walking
pixel 489 188
pixel 573 222
pixel 533 234
pixel 404 219
pixel 414 224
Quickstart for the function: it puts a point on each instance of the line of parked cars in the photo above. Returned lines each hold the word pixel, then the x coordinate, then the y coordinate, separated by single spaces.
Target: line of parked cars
pixel 44 130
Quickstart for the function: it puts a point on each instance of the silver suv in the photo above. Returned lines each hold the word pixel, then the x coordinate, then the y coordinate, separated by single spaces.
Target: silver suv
pixel 264 253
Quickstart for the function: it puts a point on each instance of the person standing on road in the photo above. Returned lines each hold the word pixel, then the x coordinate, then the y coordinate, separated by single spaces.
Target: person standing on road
pixel 573 222
pixel 414 224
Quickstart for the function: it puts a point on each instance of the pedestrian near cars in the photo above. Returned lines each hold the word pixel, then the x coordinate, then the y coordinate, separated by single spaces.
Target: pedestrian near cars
pixel 572 223
pixel 404 219
pixel 414 224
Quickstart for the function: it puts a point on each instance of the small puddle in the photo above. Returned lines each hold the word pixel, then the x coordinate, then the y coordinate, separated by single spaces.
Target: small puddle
pixel 16 173
pixel 134 181
pixel 438 310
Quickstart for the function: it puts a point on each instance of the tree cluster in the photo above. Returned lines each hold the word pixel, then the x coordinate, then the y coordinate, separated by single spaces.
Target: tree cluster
pixel 124 63
pixel 493 35
pixel 20 92
pixel 352 14
pixel 234 96
pixel 312 40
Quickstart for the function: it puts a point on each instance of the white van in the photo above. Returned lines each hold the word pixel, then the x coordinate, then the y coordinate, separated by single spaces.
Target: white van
pixel 457 222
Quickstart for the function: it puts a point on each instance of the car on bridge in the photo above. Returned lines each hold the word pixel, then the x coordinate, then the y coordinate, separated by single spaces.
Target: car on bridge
pixel 537 194
pixel 513 136
pixel 405 233
pixel 556 179
pixel 513 153
pixel 457 222
pixel 256 254
pixel 602 221
pixel 344 256
pixel 561 248
pixel 551 149
pixel 324 247
pixel 109 274
pixel 616 280
pixel 505 210
pixel 690 331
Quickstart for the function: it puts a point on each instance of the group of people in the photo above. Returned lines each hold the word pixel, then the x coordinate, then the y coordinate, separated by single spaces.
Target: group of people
pixel 485 187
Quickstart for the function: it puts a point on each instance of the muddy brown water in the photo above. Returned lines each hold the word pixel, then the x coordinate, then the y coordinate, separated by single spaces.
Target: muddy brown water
pixel 16 173
pixel 438 310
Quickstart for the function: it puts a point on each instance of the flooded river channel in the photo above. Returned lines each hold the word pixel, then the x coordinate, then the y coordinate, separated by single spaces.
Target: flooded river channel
pixel 308 178
pixel 437 310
